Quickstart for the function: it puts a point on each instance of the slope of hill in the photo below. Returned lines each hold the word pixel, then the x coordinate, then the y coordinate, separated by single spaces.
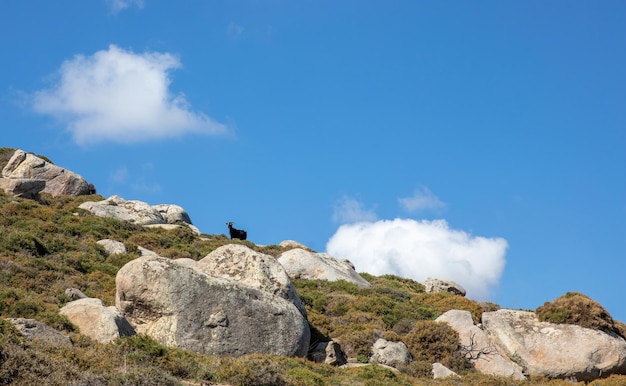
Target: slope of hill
pixel 49 245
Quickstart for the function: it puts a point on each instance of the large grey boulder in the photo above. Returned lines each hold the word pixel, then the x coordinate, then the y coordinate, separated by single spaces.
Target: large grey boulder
pixel 180 306
pixel 478 348
pixel 555 350
pixel 245 266
pixel 35 330
pixel 94 319
pixel 58 181
pixel 22 187
pixel 441 285
pixel 388 353
pixel 302 264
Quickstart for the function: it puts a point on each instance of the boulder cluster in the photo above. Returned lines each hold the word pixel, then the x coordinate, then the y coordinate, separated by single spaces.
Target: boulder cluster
pixel 26 175
pixel 237 301
pixel 234 301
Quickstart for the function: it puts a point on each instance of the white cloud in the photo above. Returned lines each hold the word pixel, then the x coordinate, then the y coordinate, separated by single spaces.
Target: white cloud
pixel 422 199
pixel 349 210
pixel 422 249
pixel 119 96
pixel 119 5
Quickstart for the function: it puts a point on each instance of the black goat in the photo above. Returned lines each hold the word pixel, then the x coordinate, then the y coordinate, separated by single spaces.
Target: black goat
pixel 236 233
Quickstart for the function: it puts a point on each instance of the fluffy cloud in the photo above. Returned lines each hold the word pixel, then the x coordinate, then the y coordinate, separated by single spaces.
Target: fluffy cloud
pixel 421 249
pixel 422 199
pixel 349 210
pixel 117 95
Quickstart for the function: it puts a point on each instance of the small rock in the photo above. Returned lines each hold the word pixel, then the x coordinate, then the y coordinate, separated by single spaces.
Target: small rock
pixel 329 353
pixel 75 294
pixel 112 247
pixel 440 371
pixel 388 353
pixel 440 285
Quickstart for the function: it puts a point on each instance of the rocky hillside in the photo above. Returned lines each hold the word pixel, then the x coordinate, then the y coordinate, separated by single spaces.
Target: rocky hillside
pixel 108 291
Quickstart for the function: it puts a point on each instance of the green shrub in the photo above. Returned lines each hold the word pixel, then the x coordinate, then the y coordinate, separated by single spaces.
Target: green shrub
pixel 251 370
pixel 304 377
pixel 25 309
pixel 489 306
pixel 24 242
pixel 576 308
pixel 8 333
pixel 445 301
pixel 144 346
pixel 357 339
pixel 375 375
pixel 404 326
pixel 57 321
pixel 417 369
pixel 431 342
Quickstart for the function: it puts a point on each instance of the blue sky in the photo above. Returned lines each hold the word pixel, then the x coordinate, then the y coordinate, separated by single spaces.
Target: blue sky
pixel 482 142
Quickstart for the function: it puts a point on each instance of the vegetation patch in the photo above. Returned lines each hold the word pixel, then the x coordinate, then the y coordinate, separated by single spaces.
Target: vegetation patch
pixel 576 308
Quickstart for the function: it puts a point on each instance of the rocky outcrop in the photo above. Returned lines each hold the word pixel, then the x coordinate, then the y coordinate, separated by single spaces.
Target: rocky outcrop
pixel 440 285
pixel 181 306
pixel 23 167
pixel 291 244
pixel 329 353
pixel 388 353
pixel 173 213
pixel 140 213
pixel 301 264
pixel 555 350
pixel 133 211
pixel 35 330
pixel 97 321
pixel 483 355
pixel 245 266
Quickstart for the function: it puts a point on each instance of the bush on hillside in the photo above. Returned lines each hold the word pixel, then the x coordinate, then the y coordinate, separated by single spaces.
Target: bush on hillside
pixel 445 301
pixel 430 342
pixel 576 308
